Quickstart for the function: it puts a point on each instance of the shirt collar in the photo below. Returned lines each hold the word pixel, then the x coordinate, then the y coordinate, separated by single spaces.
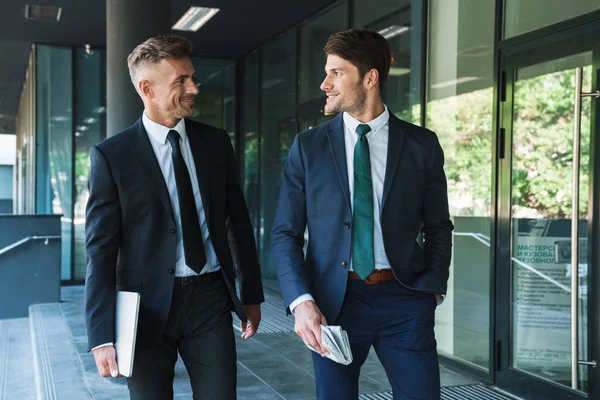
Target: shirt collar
pixel 159 132
pixel 376 124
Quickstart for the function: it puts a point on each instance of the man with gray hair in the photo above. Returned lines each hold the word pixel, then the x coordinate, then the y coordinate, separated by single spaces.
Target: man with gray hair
pixel 164 194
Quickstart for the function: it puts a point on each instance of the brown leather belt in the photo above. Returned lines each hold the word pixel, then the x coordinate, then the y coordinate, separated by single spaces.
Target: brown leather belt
pixel 379 275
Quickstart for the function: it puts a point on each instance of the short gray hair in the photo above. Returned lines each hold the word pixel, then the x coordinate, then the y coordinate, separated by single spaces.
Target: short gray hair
pixel 156 49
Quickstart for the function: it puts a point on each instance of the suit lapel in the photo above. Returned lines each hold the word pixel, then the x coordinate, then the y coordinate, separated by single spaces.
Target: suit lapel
pixel 395 145
pixel 337 145
pixel 142 150
pixel 201 154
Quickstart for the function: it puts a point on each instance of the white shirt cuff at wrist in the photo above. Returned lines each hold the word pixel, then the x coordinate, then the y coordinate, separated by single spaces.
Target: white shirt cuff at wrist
pixel 300 299
pixel 103 345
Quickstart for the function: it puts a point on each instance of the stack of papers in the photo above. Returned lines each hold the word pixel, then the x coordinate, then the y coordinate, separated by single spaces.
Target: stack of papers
pixel 335 340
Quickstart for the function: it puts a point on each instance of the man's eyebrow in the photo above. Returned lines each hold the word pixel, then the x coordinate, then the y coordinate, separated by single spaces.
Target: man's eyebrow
pixel 184 76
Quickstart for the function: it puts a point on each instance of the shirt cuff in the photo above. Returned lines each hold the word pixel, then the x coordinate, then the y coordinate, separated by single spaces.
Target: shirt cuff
pixel 301 299
pixel 103 345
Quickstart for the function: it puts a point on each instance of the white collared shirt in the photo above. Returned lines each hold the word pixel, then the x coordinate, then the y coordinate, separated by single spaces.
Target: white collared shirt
pixel 162 149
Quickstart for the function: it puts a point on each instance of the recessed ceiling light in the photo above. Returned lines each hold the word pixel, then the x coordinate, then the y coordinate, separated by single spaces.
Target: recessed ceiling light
pixel 194 19
pixel 392 31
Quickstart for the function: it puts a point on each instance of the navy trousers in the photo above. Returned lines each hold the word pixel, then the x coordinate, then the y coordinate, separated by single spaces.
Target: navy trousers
pixel 398 323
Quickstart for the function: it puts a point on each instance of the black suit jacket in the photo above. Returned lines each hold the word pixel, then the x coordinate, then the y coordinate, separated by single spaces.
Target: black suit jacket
pixel 131 232
pixel 315 193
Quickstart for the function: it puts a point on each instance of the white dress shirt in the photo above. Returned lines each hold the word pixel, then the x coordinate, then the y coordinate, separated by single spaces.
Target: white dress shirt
pixel 162 149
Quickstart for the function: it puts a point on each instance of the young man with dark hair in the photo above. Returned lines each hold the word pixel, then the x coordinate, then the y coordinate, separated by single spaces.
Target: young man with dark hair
pixel 365 183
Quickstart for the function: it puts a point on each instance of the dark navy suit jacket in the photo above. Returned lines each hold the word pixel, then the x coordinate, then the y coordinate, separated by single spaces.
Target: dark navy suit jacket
pixel 131 233
pixel 314 193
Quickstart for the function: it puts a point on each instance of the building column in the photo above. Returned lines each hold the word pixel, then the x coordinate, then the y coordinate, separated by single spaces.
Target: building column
pixel 128 23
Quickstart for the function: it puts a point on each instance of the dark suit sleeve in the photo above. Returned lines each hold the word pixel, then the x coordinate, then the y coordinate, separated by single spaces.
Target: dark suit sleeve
pixel 437 227
pixel 248 267
pixel 287 237
pixel 102 229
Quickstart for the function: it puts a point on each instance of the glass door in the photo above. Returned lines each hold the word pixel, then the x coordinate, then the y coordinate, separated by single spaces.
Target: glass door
pixel 544 267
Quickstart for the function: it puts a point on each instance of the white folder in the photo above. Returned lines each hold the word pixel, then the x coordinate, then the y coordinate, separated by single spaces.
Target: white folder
pixel 126 321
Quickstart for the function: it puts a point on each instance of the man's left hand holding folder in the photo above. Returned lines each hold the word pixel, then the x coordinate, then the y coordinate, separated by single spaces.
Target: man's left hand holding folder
pixel 106 361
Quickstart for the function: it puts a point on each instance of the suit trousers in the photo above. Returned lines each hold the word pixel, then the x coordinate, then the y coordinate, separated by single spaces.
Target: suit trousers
pixel 398 323
pixel 200 328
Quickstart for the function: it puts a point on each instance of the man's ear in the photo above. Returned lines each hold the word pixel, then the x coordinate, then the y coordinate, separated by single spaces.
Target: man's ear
pixel 371 78
pixel 145 88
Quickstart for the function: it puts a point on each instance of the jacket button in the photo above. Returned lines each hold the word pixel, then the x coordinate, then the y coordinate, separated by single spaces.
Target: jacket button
pixel 172 230
pixel 347 225
pixel 344 264
pixel 171 271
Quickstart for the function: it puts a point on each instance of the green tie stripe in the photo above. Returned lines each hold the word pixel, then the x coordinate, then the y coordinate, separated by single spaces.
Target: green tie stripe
pixel 363 258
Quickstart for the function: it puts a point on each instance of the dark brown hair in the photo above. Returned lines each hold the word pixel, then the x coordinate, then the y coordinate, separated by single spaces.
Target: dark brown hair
pixel 363 48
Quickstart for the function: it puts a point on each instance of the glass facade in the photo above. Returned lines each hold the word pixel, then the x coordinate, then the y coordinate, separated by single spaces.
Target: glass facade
pixel 313 36
pixel 54 141
pixel 25 125
pixel 522 16
pixel 215 104
pixel 459 109
pixel 401 23
pixel 250 137
pixel 90 129
pixel 278 129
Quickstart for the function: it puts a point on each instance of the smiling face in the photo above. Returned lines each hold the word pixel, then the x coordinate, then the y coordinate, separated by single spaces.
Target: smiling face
pixel 169 89
pixel 343 86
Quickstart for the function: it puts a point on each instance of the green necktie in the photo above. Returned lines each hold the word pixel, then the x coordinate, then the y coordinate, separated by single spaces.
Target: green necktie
pixel 363 259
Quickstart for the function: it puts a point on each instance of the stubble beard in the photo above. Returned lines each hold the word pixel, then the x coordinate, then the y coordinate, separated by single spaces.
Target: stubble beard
pixel 355 103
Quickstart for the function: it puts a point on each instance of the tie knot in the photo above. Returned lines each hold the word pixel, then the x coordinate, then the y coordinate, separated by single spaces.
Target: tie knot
pixel 363 129
pixel 173 138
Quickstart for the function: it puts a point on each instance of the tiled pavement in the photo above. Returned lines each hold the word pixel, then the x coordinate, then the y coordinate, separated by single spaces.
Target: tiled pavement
pixel 270 366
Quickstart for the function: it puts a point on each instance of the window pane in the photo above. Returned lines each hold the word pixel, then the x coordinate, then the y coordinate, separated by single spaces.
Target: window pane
pixel 25 163
pixel 215 104
pixel 522 16
pixel 459 110
pixel 54 173
pixel 278 129
pixel 313 37
pixel 90 129
pixel 250 130
pixel 401 23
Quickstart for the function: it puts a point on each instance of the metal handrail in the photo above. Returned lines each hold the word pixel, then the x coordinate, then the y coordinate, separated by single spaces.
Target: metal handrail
pixel 477 236
pixel 482 238
pixel 27 239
